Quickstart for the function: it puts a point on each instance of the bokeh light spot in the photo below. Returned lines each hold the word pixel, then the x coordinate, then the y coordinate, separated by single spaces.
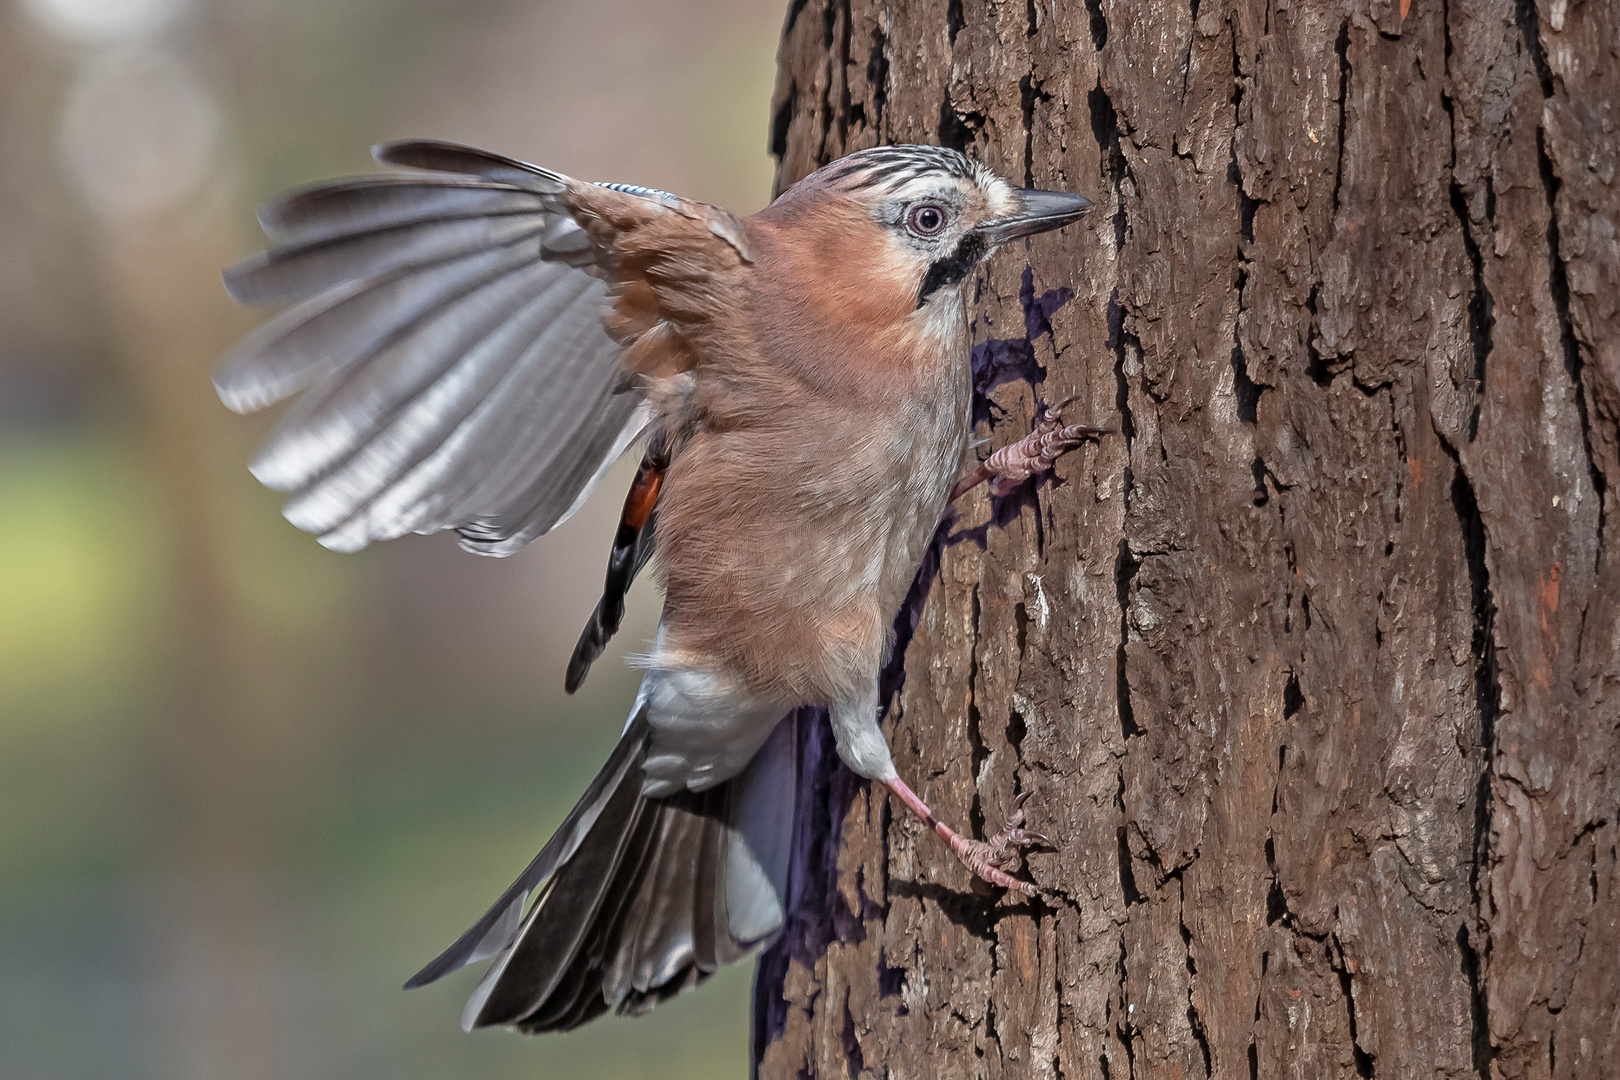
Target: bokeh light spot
pixel 138 134
pixel 96 21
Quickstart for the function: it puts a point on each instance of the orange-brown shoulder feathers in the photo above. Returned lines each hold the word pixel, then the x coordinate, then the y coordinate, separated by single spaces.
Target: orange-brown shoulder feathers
pixel 670 263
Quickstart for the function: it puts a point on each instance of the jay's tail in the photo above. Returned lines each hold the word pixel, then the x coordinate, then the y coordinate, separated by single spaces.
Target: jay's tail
pixel 639 898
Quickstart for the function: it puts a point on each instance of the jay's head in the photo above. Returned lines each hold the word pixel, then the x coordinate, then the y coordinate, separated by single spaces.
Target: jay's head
pixel 917 218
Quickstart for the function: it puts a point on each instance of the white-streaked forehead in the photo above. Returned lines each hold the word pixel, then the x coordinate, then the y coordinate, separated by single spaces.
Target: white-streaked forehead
pixel 883 165
pixel 908 172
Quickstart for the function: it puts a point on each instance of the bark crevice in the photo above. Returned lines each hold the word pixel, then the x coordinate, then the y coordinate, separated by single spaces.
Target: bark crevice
pixel 1363 1060
pixel 1126 567
pixel 1105 129
pixel 1488 698
pixel 978 751
pixel 1481 305
pixel 1341 48
pixel 1194 1019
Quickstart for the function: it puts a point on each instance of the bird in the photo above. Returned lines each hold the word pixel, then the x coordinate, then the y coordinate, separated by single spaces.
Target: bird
pixel 473 340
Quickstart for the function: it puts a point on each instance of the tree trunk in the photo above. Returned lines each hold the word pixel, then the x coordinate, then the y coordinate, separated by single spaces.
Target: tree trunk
pixel 1313 669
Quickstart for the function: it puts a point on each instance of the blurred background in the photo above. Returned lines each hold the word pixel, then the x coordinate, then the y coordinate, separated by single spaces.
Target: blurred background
pixel 247 786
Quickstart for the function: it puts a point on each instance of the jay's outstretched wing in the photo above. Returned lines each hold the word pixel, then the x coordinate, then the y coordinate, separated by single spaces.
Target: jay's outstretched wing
pixel 447 333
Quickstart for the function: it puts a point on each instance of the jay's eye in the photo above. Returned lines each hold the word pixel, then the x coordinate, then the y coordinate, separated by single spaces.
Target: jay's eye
pixel 926 220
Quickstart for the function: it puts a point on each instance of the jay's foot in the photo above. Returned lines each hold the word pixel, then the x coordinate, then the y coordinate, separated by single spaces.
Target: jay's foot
pixel 1035 453
pixel 989 860
pixel 995 858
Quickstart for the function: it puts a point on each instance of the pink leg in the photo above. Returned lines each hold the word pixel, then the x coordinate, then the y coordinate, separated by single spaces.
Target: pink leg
pixel 1036 452
pixel 985 858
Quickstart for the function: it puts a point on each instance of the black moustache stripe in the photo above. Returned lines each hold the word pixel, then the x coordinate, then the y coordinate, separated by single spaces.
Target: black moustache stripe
pixel 953 267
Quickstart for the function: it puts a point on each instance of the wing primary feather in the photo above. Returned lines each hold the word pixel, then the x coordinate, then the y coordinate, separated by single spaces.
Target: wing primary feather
pixel 357 204
pixel 331 420
pixel 421 412
pixel 416 413
pixel 446 157
pixel 346 325
pixel 524 422
pixel 551 499
pixel 554 428
pixel 297 270
pixel 634 428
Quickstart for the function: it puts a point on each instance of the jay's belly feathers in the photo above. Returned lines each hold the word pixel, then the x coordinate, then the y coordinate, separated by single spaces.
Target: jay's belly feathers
pixel 789 539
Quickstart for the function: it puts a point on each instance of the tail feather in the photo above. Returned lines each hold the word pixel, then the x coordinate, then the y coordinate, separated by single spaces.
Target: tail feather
pixel 662 939
pixel 574 979
pixel 500 925
pixel 540 961
pixel 639 898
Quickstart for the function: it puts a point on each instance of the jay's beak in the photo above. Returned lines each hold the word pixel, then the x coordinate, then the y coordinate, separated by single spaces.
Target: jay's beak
pixel 1038 211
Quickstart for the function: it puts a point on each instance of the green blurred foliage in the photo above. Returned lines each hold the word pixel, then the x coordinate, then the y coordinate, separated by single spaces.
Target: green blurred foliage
pixel 247 786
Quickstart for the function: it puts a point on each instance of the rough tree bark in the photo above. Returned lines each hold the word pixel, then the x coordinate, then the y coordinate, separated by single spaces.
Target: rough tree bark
pixel 1314 670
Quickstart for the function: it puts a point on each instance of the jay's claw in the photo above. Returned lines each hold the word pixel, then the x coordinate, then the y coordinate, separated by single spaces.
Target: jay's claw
pixel 993 859
pixel 1035 453
pixel 990 860
pixel 1038 451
